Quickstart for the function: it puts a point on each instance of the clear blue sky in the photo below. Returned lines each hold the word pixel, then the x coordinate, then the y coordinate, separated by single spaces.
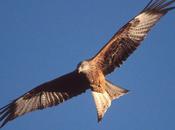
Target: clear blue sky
pixel 43 39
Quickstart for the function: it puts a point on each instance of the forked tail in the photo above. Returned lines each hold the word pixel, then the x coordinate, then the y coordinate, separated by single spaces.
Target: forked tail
pixel 103 100
pixel 114 91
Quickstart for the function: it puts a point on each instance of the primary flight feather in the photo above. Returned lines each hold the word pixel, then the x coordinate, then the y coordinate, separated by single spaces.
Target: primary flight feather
pixel 90 74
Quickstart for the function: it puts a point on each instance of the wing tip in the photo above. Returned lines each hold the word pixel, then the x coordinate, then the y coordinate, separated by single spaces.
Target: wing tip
pixel 2 125
pixel 4 115
pixel 159 5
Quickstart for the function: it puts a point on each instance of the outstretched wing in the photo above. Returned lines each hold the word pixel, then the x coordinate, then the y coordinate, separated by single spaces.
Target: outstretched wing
pixel 129 37
pixel 46 95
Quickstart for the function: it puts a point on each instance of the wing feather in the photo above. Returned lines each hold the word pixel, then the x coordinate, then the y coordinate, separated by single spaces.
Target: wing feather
pixel 46 95
pixel 129 37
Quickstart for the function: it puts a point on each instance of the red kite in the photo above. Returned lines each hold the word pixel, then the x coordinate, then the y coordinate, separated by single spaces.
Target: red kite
pixel 90 74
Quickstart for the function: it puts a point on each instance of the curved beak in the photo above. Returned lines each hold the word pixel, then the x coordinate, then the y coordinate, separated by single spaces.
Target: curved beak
pixel 79 70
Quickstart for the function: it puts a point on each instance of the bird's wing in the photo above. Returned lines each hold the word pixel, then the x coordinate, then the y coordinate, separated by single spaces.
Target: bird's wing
pixel 129 37
pixel 46 95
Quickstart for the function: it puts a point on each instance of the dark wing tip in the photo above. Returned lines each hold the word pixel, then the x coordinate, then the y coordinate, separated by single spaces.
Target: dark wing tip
pixel 4 115
pixel 159 5
pixel 170 8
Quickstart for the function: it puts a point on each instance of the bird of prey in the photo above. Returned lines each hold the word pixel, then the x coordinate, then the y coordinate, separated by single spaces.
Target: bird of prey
pixel 90 74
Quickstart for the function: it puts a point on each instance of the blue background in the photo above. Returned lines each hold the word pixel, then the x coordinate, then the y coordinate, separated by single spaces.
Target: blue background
pixel 43 39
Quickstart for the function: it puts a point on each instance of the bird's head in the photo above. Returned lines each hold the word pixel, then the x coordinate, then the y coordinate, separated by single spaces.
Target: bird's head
pixel 83 67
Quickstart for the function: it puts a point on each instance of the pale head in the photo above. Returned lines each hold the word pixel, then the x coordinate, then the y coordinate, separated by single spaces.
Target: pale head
pixel 83 67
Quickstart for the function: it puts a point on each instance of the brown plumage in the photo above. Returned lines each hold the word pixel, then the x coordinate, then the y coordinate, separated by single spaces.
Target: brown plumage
pixel 90 74
pixel 129 37
pixel 45 95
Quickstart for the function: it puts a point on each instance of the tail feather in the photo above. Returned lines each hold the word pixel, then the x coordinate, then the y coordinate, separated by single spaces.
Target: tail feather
pixel 115 91
pixel 103 100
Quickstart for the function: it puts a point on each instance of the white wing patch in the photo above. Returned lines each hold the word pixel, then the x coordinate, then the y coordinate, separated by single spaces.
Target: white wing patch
pixel 146 21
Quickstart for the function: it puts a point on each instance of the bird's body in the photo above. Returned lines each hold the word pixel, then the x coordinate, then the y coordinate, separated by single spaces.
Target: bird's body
pixel 91 74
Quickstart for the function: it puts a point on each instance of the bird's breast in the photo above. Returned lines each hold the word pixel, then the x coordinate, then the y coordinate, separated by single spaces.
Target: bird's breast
pixel 94 77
